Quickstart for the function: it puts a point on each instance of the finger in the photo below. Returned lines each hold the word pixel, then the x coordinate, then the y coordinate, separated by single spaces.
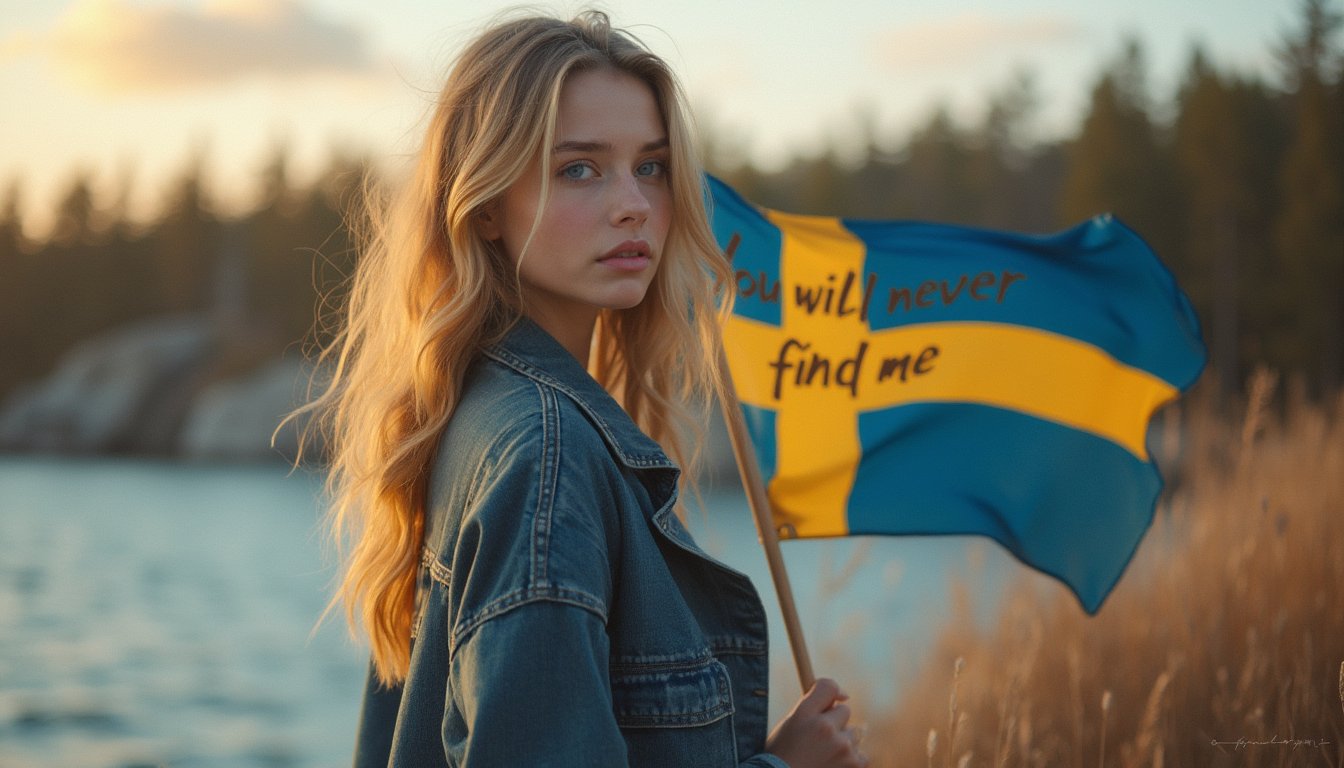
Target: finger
pixel 838 715
pixel 824 693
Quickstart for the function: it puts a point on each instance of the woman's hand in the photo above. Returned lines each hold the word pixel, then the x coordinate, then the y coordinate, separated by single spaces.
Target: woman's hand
pixel 816 734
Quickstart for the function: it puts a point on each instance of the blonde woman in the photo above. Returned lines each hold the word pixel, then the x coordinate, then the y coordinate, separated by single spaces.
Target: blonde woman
pixel 526 326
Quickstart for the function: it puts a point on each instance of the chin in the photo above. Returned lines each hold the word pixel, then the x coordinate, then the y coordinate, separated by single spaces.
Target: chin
pixel 627 299
pixel 620 306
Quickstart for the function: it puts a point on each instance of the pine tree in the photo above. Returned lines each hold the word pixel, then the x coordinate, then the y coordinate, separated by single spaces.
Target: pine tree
pixel 1117 165
pixel 11 222
pixel 937 179
pixel 1310 227
pixel 1013 196
pixel 1227 142
pixel 74 224
pixel 186 239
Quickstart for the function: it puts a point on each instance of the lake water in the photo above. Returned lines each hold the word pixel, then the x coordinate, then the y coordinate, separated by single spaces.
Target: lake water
pixel 163 614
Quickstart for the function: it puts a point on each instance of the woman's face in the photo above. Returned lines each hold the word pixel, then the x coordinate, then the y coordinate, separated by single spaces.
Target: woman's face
pixel 600 236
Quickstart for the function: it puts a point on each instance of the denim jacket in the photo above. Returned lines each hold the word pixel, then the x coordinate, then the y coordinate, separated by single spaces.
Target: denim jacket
pixel 564 616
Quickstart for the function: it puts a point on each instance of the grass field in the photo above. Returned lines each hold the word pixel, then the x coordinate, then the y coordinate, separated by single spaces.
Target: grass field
pixel 1223 645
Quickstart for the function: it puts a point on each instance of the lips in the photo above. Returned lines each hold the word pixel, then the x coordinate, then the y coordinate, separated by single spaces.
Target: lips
pixel 630 255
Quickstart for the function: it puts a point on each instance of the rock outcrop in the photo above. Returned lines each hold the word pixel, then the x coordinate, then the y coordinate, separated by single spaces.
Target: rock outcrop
pixel 235 419
pixel 160 387
pixel 128 390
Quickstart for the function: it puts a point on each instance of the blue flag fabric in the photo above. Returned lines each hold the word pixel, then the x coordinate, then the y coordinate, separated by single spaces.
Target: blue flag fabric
pixel 913 378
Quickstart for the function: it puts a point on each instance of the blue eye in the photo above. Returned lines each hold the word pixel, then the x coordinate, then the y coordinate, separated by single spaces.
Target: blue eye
pixel 576 172
pixel 651 168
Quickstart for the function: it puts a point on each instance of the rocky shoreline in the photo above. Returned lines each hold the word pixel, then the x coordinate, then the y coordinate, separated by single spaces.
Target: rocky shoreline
pixel 168 386
pixel 184 386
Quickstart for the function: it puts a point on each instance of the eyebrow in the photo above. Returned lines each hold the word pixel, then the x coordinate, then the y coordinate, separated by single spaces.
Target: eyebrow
pixel 603 146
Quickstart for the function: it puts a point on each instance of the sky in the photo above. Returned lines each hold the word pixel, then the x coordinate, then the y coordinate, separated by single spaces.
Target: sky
pixel 130 91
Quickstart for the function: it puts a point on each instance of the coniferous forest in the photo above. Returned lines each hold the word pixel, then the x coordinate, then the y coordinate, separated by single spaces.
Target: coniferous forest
pixel 1236 180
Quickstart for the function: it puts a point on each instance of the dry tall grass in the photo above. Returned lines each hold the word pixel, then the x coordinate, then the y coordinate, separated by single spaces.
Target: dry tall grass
pixel 1222 646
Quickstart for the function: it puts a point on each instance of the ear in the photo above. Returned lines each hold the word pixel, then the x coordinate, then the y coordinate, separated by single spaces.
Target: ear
pixel 487 222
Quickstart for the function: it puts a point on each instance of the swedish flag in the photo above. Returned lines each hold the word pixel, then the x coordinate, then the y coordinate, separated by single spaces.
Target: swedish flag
pixel 913 378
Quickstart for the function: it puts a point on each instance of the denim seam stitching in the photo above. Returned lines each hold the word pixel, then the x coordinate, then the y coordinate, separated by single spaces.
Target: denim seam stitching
pixel 721 708
pixel 637 460
pixel 631 664
pixel 704 717
pixel 541 521
pixel 737 646
pixel 522 597
pixel 437 570
pixel 479 473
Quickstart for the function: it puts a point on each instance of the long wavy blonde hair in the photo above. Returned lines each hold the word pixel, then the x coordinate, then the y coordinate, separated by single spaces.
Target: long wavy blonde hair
pixel 429 292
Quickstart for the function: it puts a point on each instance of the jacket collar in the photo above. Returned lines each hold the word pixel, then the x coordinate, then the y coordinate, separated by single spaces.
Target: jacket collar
pixel 534 353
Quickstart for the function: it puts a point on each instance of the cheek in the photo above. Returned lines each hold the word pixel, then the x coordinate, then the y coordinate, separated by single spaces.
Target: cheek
pixel 564 219
pixel 661 215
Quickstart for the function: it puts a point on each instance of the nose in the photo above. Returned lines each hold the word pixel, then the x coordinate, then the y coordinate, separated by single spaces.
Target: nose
pixel 631 203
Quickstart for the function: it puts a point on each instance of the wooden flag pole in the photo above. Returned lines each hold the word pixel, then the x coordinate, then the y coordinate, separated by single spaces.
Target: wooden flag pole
pixel 765 523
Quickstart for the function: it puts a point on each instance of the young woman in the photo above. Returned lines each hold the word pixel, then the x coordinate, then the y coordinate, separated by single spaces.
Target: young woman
pixel 524 331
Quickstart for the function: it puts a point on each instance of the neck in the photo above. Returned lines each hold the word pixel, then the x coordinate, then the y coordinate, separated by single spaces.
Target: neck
pixel 575 334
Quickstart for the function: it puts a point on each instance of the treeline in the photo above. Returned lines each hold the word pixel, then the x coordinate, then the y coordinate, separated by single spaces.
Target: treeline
pixel 258 274
pixel 1236 180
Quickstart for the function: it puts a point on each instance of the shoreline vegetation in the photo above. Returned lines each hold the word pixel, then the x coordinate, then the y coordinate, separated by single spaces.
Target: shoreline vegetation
pixel 1235 179
pixel 1223 645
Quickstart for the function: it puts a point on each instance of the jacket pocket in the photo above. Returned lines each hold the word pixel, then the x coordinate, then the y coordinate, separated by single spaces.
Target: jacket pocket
pixel 675 712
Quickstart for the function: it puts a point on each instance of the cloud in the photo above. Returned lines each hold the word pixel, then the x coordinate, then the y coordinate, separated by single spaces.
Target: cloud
pixel 966 39
pixel 118 46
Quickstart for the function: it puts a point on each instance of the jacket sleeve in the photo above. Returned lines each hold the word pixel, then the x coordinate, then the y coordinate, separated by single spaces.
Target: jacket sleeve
pixel 531 688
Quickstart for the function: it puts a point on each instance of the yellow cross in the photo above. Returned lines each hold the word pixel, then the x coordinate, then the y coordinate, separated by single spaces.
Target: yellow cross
pixel 817 435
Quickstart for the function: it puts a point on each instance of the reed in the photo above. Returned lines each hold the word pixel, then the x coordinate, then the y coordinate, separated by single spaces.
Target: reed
pixel 1222 645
